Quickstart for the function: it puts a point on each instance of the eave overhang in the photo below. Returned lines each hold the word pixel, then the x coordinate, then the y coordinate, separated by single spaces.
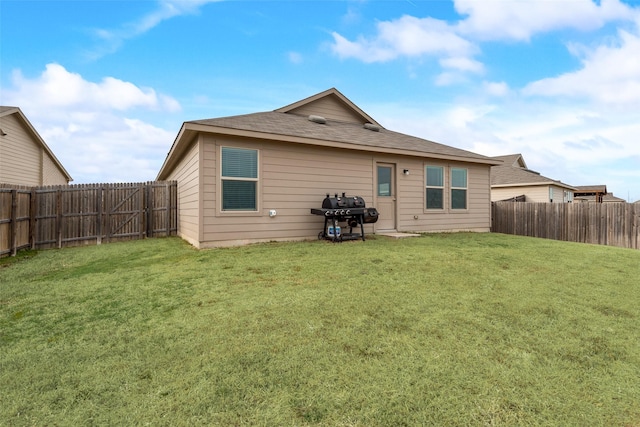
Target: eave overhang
pixel 190 130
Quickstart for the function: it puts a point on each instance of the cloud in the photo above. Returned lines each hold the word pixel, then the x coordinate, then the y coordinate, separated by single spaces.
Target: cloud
pixel 456 44
pixel 295 57
pixel 610 74
pixel 112 39
pixel 520 20
pixel 407 36
pixel 92 126
pixel 462 64
pixel 495 88
pixel 58 88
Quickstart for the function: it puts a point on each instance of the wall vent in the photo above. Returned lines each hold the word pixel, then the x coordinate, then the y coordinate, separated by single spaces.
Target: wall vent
pixel 371 126
pixel 317 119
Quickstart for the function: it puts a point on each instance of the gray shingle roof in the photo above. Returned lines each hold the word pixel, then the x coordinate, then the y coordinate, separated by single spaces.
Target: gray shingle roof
pixel 606 198
pixel 591 188
pixel 277 123
pixel 509 173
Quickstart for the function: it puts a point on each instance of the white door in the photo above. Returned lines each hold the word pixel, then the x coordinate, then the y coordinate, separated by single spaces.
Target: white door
pixel 385 196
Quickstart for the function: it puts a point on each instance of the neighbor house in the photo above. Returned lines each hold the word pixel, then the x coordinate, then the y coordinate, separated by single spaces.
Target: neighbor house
pixel 255 177
pixel 513 181
pixel 595 194
pixel 25 159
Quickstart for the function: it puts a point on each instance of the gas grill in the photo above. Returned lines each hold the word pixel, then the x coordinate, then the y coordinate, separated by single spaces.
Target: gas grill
pixel 350 210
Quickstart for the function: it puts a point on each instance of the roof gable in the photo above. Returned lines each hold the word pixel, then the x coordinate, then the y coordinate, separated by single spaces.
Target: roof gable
pixel 514 172
pixel 7 111
pixel 515 160
pixel 330 104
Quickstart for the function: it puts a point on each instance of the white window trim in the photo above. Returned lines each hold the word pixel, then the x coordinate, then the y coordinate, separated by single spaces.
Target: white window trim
pixel 466 189
pixel 220 178
pixel 442 187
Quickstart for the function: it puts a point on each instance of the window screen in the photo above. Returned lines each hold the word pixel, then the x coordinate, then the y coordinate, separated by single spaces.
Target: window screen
pixel 239 179
pixel 435 187
pixel 458 188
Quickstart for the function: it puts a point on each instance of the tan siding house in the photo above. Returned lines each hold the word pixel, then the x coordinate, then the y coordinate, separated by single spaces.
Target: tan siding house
pixel 25 159
pixel 232 172
pixel 512 180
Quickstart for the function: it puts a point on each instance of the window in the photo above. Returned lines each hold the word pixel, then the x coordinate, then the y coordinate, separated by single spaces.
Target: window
pixel 458 188
pixel 551 194
pixel 239 179
pixel 435 187
pixel 384 181
pixel 568 196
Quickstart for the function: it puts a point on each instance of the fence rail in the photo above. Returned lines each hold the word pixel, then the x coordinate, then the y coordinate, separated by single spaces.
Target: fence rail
pixel 614 224
pixel 71 215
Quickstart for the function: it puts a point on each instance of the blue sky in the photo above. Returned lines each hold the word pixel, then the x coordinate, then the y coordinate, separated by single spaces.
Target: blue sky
pixel 109 83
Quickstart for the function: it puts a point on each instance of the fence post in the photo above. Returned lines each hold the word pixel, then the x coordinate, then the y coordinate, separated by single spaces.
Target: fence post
pixel 59 218
pixel 107 211
pixel 32 218
pixel 141 228
pixel 149 206
pixel 167 204
pixel 13 228
pixel 99 196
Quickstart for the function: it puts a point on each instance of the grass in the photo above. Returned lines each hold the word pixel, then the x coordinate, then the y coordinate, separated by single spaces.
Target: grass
pixel 446 329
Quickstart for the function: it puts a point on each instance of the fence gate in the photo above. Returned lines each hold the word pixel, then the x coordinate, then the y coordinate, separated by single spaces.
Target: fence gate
pixel 124 212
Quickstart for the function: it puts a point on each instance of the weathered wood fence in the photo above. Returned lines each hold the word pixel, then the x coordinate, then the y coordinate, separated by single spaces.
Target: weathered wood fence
pixel 614 224
pixel 72 215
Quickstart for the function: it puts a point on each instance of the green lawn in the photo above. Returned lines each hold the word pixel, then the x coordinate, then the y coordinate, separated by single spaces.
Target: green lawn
pixel 447 329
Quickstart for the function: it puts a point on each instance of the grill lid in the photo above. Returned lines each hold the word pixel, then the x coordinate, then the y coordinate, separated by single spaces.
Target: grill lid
pixel 343 202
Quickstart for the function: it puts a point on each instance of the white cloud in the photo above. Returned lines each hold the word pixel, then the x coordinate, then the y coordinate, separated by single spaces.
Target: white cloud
pixel 462 64
pixel 495 88
pixel 58 88
pixel 456 44
pixel 519 20
pixel 295 57
pixel 610 74
pixel 91 127
pixel 408 36
pixel 112 39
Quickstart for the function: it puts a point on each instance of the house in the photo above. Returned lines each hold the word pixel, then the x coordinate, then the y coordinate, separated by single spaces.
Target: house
pixel 255 177
pixel 513 181
pixel 595 194
pixel 25 159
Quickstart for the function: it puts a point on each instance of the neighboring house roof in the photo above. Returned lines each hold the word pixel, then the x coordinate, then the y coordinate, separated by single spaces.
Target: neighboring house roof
pixel 591 189
pixel 606 198
pixel 287 124
pixel 6 111
pixel 513 172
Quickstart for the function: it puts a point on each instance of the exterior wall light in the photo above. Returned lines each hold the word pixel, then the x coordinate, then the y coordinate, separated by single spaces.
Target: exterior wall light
pixel 405 171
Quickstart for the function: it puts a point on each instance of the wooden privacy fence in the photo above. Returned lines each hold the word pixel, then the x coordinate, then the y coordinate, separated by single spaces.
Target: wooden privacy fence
pixel 71 215
pixel 614 224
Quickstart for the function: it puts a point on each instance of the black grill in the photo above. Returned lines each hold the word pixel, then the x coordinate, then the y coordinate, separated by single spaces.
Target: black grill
pixel 350 210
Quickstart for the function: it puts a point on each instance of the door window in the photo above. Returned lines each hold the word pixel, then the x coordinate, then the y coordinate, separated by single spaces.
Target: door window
pixel 384 181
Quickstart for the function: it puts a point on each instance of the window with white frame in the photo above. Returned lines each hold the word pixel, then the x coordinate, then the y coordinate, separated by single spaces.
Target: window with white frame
pixel 435 187
pixel 567 196
pixel 458 188
pixel 239 179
